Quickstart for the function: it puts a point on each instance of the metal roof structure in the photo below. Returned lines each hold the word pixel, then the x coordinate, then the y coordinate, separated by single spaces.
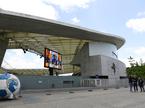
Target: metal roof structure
pixel 36 33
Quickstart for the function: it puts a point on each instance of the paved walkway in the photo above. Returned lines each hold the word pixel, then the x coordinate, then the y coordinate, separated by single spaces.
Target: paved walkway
pixel 112 98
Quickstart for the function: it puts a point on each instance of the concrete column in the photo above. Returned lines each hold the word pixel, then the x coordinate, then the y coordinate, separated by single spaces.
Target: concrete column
pixel 3 47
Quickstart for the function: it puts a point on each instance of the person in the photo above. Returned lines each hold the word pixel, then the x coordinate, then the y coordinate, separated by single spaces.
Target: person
pixel 54 59
pixel 130 79
pixel 141 84
pixel 135 83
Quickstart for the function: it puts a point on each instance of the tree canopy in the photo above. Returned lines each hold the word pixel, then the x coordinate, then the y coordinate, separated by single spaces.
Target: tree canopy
pixel 137 68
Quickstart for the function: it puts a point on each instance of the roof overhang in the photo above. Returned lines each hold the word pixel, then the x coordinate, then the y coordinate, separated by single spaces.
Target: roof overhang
pixel 26 31
pixel 31 24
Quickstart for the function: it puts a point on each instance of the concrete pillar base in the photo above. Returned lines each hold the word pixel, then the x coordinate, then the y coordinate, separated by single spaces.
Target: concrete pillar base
pixel 3 47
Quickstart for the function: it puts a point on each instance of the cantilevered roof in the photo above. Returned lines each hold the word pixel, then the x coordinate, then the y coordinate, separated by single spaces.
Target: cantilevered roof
pixel 37 42
pixel 35 33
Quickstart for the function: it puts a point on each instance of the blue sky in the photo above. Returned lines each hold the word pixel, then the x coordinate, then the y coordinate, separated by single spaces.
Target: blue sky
pixel 125 18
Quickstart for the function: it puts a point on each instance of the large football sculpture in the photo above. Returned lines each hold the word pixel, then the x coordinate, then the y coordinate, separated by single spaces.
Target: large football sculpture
pixel 9 86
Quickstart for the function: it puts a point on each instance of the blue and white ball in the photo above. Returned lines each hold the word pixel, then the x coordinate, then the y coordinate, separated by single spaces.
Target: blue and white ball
pixel 9 86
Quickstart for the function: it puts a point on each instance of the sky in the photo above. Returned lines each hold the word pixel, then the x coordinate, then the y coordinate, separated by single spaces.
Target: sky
pixel 125 18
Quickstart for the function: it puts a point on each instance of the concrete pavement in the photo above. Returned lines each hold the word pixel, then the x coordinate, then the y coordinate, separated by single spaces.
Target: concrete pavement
pixel 98 98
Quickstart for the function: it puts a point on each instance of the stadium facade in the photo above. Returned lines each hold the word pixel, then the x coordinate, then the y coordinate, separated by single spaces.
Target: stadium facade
pixel 93 53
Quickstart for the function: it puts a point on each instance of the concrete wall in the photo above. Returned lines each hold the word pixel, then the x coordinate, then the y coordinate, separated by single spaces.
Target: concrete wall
pixel 98 64
pixel 107 64
pixel 82 55
pixel 46 82
pixel 103 66
pixel 92 64
pixel 113 74
pixel 3 47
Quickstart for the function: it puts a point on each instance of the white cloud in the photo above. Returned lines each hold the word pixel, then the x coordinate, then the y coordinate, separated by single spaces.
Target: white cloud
pixel 125 61
pixel 140 51
pixel 67 5
pixel 33 7
pixel 136 53
pixel 137 24
pixel 43 8
pixel 16 59
pixel 140 14
pixel 75 20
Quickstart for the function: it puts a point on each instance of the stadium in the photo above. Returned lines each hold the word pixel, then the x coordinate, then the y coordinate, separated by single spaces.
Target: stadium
pixel 90 55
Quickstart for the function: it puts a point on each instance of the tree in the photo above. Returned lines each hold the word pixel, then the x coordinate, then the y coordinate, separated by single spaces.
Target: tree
pixel 136 68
